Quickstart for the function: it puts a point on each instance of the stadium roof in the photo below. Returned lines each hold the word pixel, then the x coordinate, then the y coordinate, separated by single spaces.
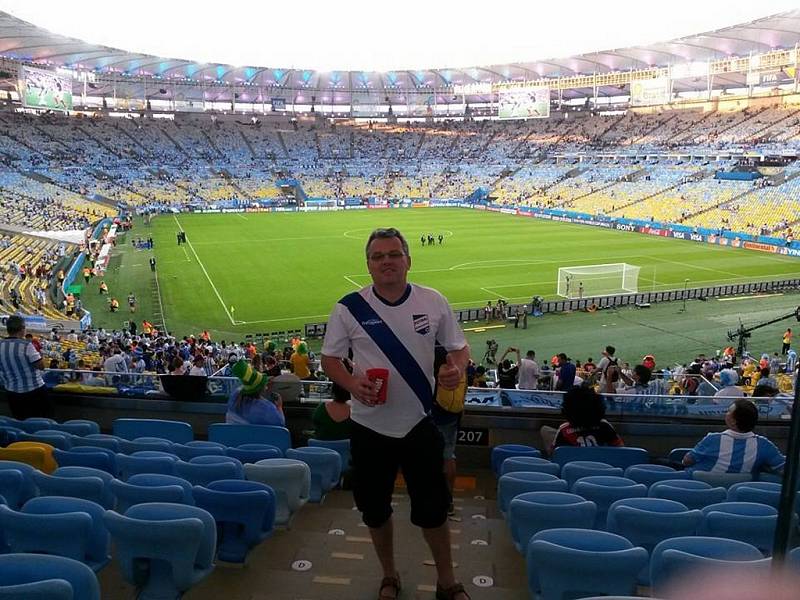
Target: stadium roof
pixel 23 41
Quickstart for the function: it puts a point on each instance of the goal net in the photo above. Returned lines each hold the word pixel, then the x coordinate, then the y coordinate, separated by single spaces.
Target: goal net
pixel 598 280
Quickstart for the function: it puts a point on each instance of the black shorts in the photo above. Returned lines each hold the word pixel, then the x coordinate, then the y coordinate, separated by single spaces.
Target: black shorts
pixel 35 403
pixel 376 461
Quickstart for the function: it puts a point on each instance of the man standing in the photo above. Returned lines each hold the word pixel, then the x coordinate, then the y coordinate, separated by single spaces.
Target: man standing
pixel 20 366
pixel 787 341
pixel 391 328
pixel 566 373
pixel 529 372
pixel 153 264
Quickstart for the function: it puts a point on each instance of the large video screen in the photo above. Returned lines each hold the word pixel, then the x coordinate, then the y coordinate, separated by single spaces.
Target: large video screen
pixel 45 89
pixel 524 103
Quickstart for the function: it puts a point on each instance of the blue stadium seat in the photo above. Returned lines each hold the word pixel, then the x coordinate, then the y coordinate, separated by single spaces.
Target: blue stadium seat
pixel 34 424
pixel 178 432
pixel 289 479
pixel 676 455
pixel 676 556
pixel 748 522
pixel 87 487
pixel 604 491
pixel 163 549
pixel 79 427
pixel 504 451
pixel 147 463
pixel 616 457
pixel 21 569
pixel 532 512
pixel 202 470
pixel 647 521
pixel 57 439
pixel 578 469
pixel 693 494
pixel 144 444
pixel 151 487
pixel 11 487
pixel 197 448
pixel 724 480
pixel 515 483
pixel 530 464
pixel 60 526
pixel 252 453
pixel 650 474
pixel 47 589
pixel 87 456
pixel 341 446
pixel 18 496
pixel 606 563
pixel 100 440
pixel 244 512
pixel 231 434
pixel 326 469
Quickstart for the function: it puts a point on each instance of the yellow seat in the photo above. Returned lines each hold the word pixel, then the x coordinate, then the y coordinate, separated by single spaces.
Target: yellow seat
pixel 37 454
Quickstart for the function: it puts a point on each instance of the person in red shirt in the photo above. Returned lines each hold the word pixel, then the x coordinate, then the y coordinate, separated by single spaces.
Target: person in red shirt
pixel 586 425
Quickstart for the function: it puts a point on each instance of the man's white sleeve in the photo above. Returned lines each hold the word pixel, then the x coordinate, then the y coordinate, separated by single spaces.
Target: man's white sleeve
pixel 32 354
pixel 337 337
pixel 450 335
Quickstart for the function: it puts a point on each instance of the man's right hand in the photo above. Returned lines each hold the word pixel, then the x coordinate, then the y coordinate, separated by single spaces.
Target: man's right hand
pixel 364 390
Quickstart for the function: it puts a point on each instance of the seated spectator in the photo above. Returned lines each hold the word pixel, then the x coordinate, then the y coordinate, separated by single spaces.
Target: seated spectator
pixel 764 377
pixel 737 449
pixel 299 361
pixel 584 411
pixel 729 378
pixel 480 377
pixel 332 419
pixel 251 404
pixel 638 383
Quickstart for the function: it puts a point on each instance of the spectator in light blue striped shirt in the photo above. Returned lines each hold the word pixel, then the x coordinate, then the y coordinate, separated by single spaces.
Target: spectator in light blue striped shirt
pixel 20 373
pixel 738 449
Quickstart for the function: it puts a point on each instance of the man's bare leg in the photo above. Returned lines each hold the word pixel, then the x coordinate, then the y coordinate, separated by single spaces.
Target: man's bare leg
pixel 438 539
pixel 383 541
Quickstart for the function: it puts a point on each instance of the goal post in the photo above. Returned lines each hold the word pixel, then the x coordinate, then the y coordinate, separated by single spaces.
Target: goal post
pixel 597 280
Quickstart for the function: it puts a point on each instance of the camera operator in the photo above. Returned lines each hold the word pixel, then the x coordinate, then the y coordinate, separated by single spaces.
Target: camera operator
pixel 490 357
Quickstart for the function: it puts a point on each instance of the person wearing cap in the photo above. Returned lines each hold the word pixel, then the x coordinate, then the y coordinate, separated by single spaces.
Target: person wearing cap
pixel 729 378
pixel 300 362
pixel 251 403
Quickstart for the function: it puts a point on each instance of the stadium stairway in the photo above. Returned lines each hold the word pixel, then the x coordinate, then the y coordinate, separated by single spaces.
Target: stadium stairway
pixel 283 143
pixel 180 148
pixel 248 144
pixel 646 135
pixel 327 555
pixel 231 181
pixel 100 142
pixel 211 143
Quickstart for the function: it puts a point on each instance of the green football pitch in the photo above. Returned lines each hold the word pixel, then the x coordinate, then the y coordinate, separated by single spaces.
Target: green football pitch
pixel 260 272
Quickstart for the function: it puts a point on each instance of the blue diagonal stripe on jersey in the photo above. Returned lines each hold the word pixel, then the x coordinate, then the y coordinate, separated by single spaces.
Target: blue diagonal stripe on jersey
pixel 380 333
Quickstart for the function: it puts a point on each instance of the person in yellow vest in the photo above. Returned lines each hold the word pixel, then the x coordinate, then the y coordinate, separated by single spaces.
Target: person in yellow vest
pixel 147 327
pixel 87 273
pixel 787 341
pixel 300 361
pixel 61 277
pixel 114 305
pixel 103 287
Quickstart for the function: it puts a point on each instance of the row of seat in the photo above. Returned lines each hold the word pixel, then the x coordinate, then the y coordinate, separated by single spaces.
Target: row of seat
pixel 630 517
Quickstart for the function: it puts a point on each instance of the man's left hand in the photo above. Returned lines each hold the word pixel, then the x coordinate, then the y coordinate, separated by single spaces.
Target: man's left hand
pixel 450 374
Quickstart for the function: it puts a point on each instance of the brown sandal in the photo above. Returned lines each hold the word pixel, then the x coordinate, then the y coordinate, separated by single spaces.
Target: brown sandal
pixel 390 582
pixel 450 593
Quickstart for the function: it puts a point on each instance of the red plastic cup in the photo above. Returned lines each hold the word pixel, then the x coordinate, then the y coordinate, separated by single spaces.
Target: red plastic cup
pixel 380 377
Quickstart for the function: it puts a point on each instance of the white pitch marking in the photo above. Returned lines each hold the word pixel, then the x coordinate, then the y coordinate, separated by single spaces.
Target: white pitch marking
pixel 358 285
pixel 241 216
pixel 213 287
pixel 491 293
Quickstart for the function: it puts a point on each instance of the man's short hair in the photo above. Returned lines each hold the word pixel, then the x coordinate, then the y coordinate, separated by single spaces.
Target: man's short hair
pixel 15 324
pixel 563 356
pixel 385 234
pixel 530 354
pixel 611 350
pixel 745 414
